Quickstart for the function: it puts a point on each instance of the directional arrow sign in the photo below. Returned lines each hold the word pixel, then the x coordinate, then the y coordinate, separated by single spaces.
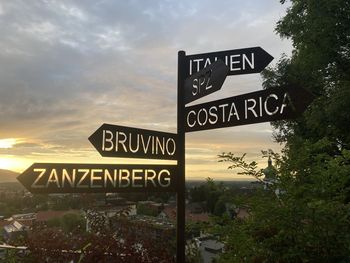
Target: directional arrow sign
pixel 119 141
pixel 205 81
pixel 261 106
pixel 98 178
pixel 239 61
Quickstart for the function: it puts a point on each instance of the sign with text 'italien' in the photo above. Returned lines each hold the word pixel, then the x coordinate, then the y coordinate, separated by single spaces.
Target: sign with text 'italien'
pixel 239 61
pixel 98 178
pixel 120 141
pixel 261 106
pixel 205 81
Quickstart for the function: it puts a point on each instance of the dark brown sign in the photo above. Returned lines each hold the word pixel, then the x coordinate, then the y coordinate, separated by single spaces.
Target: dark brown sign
pixel 120 141
pixel 98 178
pixel 205 81
pixel 239 61
pixel 261 106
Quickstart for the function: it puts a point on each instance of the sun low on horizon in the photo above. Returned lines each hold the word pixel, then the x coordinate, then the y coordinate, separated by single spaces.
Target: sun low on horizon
pixel 202 162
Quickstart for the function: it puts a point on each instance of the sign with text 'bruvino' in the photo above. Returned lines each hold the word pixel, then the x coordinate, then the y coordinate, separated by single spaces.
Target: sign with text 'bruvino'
pixel 261 106
pixel 98 178
pixel 120 141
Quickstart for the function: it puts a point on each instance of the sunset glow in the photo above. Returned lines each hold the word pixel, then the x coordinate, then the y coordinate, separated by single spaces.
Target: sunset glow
pixel 8 163
pixel 7 143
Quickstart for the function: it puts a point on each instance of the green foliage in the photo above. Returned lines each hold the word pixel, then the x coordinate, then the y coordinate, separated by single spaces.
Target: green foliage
pixel 305 215
pixel 220 207
pixel 239 162
pixel 69 223
pixel 54 222
pixel 307 221
pixel 143 209
pixel 208 193
pixel 193 254
pixel 73 222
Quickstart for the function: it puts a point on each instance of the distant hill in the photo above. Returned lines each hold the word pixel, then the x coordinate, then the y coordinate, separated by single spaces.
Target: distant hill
pixel 8 176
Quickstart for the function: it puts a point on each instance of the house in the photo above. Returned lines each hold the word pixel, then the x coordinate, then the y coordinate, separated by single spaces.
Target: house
pixel 169 212
pixel 14 230
pixel 209 248
pixel 145 227
pixel 25 219
pixel 153 207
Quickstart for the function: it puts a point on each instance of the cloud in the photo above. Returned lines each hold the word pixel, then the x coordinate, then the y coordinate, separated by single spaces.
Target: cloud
pixel 67 67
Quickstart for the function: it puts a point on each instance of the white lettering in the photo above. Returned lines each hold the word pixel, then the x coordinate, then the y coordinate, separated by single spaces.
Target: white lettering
pixel 166 178
pixel 86 172
pixel 251 108
pixel 135 177
pixel 285 103
pixel 53 178
pixel 188 118
pixel 207 62
pixel 167 146
pixel 94 177
pixel 125 177
pixel 137 144
pixel 119 141
pixel 161 145
pixel 250 62
pixel 205 119
pixel 109 140
pixel 65 176
pixel 223 111
pixel 232 62
pixel 42 172
pixel 233 112
pixel 150 178
pixel 265 104
pixel 213 114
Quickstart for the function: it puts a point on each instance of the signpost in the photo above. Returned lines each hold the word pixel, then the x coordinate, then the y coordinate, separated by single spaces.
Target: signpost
pixel 261 106
pixel 120 141
pixel 98 178
pixel 208 72
pixel 239 61
pixel 205 81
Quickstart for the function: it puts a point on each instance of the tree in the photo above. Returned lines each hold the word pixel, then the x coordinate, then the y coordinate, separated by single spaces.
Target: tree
pixel 308 221
pixel 73 222
pixel 208 193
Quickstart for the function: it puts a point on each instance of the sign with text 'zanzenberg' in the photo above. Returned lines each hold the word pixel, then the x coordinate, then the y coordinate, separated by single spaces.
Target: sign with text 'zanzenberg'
pixel 120 141
pixel 205 81
pixel 239 61
pixel 261 106
pixel 98 178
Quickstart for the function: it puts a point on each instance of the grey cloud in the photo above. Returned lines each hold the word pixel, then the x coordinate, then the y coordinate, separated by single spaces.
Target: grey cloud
pixel 67 67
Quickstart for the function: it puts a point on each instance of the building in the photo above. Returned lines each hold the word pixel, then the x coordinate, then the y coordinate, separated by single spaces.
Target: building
pixel 270 173
pixel 145 227
pixel 15 230
pixel 169 213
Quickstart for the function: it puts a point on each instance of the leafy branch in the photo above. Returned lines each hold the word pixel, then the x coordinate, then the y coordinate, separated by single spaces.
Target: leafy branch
pixel 250 169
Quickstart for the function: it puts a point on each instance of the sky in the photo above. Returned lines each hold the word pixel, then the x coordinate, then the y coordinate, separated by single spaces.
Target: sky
pixel 67 67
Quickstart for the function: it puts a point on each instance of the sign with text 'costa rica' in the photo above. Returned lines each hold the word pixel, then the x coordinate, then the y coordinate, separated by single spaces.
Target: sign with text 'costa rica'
pixel 205 81
pixel 98 178
pixel 261 106
pixel 239 61
pixel 120 141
